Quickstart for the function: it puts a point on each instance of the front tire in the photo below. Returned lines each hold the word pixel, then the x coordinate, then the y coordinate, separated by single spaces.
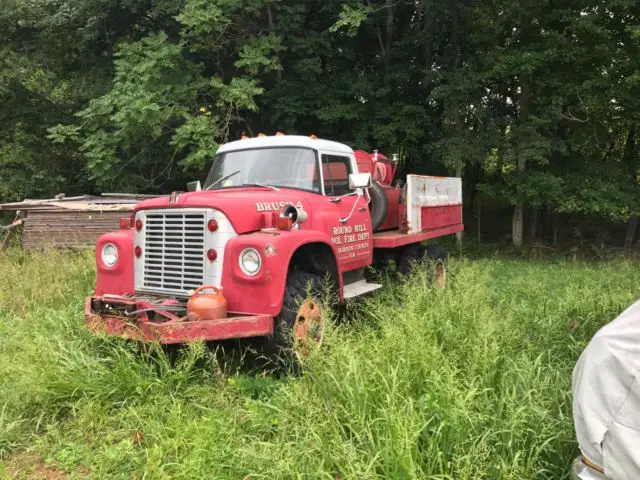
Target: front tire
pixel 299 328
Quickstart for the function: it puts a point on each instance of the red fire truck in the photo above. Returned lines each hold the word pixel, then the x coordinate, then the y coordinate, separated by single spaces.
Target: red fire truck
pixel 276 217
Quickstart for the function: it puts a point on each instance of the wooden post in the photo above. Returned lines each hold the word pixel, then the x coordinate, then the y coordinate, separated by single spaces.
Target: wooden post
pixel 632 226
pixel 8 230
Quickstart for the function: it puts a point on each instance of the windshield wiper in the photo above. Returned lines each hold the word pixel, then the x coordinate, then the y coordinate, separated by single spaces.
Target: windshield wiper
pixel 225 177
pixel 258 184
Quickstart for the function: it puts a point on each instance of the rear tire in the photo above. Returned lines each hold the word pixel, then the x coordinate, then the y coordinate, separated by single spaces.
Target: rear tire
pixel 436 258
pixel 409 256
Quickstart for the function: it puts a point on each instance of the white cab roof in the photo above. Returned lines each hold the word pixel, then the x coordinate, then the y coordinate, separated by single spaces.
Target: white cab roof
pixel 286 141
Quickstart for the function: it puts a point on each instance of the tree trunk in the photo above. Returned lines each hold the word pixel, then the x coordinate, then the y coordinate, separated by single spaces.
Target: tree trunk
pixel 428 35
pixel 516 225
pixel 631 159
pixel 555 221
pixel 272 29
pixel 389 24
pixel 518 210
pixel 459 235
pixel 632 227
pixel 629 154
pixel 479 217
pixel 533 225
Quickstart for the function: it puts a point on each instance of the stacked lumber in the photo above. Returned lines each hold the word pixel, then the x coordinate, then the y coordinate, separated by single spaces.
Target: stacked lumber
pixel 67 228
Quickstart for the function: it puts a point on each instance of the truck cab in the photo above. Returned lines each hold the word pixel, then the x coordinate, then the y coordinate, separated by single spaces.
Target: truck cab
pixel 276 218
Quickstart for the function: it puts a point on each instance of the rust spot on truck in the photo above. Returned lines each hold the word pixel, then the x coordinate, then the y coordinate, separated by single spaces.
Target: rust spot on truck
pixel 170 332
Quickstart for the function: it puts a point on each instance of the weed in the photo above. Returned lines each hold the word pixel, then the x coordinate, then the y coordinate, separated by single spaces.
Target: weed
pixel 468 383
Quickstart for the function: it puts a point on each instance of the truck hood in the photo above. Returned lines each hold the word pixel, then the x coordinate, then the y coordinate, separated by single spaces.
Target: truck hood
pixel 242 206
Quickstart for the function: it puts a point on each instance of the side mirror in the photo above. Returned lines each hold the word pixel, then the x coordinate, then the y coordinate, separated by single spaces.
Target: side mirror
pixel 359 180
pixel 194 186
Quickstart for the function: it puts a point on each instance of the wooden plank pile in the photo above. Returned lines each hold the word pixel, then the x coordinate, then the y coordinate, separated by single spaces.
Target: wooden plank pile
pixel 66 222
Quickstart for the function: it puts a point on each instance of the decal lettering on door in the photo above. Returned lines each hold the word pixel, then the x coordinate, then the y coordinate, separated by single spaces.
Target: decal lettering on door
pixel 350 241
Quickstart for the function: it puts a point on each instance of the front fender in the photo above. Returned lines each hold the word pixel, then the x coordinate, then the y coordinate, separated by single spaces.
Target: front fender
pixel 264 292
pixel 117 280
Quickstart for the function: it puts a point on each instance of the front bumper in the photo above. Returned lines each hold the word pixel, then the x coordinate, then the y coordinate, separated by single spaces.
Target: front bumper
pixel 581 471
pixel 140 327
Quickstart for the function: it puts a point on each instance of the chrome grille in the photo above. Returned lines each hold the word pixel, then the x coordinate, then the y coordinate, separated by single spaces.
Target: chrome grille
pixel 174 253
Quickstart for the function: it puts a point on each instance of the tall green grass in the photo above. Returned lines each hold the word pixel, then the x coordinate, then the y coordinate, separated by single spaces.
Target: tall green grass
pixel 468 383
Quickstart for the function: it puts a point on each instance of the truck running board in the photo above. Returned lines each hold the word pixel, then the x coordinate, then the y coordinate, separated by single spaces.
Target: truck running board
pixel 359 288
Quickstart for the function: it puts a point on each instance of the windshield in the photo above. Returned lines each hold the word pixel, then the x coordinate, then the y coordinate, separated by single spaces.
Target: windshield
pixel 278 167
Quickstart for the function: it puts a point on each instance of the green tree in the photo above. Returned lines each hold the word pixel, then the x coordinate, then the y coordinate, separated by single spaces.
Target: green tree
pixel 534 104
pixel 173 99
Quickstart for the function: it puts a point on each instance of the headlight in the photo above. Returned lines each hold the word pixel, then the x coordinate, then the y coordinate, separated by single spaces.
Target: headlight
pixel 109 255
pixel 250 261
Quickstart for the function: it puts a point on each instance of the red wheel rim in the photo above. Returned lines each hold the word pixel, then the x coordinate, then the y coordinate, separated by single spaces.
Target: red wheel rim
pixel 308 331
pixel 440 279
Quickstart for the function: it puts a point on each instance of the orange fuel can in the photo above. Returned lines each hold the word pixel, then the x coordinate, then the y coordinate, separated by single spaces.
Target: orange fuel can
pixel 207 303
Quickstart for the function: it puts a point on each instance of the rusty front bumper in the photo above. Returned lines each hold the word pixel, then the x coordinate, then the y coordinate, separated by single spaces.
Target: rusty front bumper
pixel 171 332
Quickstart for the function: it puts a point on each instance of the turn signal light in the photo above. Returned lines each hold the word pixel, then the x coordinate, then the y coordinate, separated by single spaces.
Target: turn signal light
pixel 124 223
pixel 212 225
pixel 138 251
pixel 285 223
pixel 138 225
pixel 212 255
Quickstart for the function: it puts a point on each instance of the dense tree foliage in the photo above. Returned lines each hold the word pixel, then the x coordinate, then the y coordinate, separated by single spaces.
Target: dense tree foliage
pixel 535 104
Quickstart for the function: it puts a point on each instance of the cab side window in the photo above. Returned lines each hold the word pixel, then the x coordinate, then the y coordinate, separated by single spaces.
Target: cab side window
pixel 335 174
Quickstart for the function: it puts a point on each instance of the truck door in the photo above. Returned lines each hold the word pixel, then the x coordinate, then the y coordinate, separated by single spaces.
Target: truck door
pixel 351 230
